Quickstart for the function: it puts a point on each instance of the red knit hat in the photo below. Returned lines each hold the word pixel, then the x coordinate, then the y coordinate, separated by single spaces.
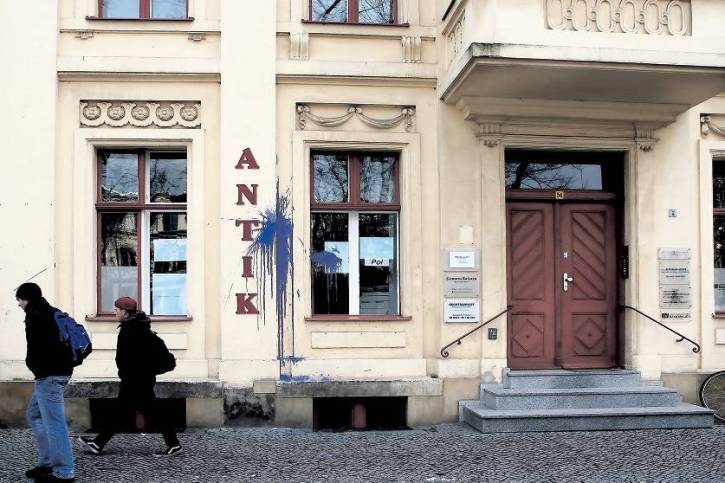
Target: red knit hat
pixel 126 303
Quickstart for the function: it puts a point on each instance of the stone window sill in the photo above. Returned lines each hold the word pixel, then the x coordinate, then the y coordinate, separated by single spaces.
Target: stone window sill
pixel 358 318
pixel 154 318
pixel 136 19
pixel 317 22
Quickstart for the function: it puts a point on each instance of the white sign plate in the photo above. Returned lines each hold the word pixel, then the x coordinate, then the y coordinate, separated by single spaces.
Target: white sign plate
pixel 462 259
pixel 675 297
pixel 674 272
pixel 377 262
pixel 674 254
pixel 461 310
pixel 461 284
pixel 676 316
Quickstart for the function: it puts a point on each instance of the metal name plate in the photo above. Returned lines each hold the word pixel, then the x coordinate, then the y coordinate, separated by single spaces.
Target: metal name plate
pixel 673 253
pixel 676 316
pixel 675 297
pixel 461 284
pixel 461 310
pixel 674 272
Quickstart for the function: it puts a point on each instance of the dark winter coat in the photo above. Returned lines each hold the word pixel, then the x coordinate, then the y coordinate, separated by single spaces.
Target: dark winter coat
pixel 133 349
pixel 47 355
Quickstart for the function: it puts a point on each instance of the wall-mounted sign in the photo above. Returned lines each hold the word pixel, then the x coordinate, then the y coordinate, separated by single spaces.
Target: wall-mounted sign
pixel 377 262
pixel 676 316
pixel 675 297
pixel 458 259
pixel 461 284
pixel 674 272
pixel 461 310
pixel 673 254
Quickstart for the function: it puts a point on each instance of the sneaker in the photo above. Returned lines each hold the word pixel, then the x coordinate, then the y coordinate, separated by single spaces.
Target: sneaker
pixel 90 445
pixel 38 471
pixel 169 451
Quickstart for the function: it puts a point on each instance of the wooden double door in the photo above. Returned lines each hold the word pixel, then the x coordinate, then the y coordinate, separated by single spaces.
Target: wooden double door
pixel 562 285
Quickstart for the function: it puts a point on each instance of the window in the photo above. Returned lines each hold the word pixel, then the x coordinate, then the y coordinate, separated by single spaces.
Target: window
pixel 141 209
pixel 355 219
pixel 354 11
pixel 158 9
pixel 718 205
pixel 563 170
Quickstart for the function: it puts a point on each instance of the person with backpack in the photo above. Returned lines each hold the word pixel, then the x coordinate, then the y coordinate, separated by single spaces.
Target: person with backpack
pixel 140 356
pixel 50 360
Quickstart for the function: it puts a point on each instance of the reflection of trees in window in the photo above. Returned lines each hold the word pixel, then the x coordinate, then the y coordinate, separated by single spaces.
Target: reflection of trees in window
pixel 329 10
pixel 331 178
pixel 551 176
pixel 375 11
pixel 719 245
pixel 168 180
pixel 377 179
pixel 168 8
pixel 119 177
pixel 118 239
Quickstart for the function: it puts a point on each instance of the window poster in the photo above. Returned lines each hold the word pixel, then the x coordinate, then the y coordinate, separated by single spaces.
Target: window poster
pixel 336 255
pixel 169 250
pixel 377 251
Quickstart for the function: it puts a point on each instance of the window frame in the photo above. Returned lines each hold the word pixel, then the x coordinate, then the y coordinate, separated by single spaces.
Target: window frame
pixel 353 15
pixel 717 213
pixel 144 13
pixel 142 208
pixel 354 207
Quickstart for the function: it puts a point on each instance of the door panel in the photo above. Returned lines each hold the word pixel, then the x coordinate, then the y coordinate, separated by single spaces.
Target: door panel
pixel 588 309
pixel 531 322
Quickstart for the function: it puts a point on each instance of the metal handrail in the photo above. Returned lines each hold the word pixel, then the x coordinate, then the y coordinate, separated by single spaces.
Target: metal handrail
pixel 695 349
pixel 444 352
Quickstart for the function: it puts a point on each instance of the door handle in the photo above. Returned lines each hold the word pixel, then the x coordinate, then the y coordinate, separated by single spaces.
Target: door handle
pixel 567 279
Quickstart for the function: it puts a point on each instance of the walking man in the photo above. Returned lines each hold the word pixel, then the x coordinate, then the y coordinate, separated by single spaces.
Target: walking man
pixel 50 361
pixel 133 353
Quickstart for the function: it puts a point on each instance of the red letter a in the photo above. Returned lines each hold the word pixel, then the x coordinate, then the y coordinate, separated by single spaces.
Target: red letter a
pixel 248 159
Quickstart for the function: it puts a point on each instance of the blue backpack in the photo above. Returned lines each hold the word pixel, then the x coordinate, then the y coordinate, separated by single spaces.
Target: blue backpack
pixel 73 335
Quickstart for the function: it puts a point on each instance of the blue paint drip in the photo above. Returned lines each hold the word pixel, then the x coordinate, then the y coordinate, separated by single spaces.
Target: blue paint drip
pixel 326 261
pixel 291 359
pixel 286 378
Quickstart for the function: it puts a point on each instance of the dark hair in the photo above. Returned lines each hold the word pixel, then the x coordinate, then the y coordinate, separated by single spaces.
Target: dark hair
pixel 29 291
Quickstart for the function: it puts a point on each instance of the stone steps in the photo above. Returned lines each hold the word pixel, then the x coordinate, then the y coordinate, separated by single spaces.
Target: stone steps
pixel 579 400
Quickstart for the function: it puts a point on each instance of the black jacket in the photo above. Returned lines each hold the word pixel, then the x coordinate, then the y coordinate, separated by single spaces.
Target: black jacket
pixel 46 355
pixel 133 348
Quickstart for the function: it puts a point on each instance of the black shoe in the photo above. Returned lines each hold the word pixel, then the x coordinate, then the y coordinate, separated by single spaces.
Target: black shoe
pixel 51 477
pixel 169 451
pixel 90 445
pixel 38 471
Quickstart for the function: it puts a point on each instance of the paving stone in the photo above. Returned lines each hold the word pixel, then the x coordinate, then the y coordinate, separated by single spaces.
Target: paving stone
pixel 443 453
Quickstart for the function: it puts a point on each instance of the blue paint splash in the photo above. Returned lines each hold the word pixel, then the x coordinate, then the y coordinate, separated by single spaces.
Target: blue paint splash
pixel 272 249
pixel 326 261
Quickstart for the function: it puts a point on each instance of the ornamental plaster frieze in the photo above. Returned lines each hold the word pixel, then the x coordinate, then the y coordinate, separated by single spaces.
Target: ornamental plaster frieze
pixel 708 125
pixel 649 17
pixel 141 114
pixel 405 117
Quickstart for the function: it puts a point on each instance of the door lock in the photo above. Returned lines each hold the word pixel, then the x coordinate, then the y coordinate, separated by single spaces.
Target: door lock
pixel 567 279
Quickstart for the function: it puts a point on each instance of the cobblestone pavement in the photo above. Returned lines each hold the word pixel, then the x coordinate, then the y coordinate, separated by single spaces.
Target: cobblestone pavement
pixel 444 453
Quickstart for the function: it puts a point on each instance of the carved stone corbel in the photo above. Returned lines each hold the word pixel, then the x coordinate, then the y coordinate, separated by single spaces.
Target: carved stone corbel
pixel 412 49
pixel 707 126
pixel 645 138
pixel 489 134
pixel 299 48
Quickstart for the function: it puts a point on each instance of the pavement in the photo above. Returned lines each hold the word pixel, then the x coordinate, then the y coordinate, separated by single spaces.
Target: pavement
pixel 443 453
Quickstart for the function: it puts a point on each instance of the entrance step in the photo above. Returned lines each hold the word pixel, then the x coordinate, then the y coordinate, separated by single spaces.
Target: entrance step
pixel 579 400
pixel 683 415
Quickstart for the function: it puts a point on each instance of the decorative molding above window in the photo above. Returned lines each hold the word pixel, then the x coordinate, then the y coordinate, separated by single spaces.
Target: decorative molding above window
pixel 154 114
pixel 707 125
pixel 405 117
pixel 652 17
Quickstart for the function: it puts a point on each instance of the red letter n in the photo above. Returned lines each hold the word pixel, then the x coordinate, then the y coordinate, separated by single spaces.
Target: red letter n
pixel 243 191
pixel 248 159
pixel 245 305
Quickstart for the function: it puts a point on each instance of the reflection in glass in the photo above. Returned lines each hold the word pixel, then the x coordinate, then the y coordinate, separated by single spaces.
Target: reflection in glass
pixel 119 246
pixel 329 10
pixel 377 179
pixel 121 9
pixel 330 263
pixel 378 264
pixel 553 176
pixel 167 178
pixel 168 263
pixel 330 178
pixel 718 184
pixel 119 177
pixel 375 11
pixel 168 8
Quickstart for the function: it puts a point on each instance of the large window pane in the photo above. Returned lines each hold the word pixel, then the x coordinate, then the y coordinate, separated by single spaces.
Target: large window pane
pixel 168 263
pixel 119 177
pixel 121 9
pixel 553 176
pixel 718 184
pixel 119 246
pixel 330 263
pixel 377 179
pixel 378 264
pixel 330 178
pixel 329 10
pixel 375 11
pixel 167 178
pixel 168 8
pixel 719 252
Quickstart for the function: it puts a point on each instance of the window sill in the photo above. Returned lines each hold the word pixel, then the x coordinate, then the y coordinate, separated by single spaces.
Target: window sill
pixel 358 318
pixel 718 315
pixel 154 318
pixel 136 19
pixel 317 22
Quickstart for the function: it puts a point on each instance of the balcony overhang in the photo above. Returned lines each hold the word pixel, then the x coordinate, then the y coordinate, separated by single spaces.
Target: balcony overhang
pixel 584 74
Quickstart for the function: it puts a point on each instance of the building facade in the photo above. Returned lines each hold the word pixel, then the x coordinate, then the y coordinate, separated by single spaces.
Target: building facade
pixel 312 198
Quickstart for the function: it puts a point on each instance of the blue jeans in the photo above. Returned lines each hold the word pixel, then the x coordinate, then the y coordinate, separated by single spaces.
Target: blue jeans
pixel 47 418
